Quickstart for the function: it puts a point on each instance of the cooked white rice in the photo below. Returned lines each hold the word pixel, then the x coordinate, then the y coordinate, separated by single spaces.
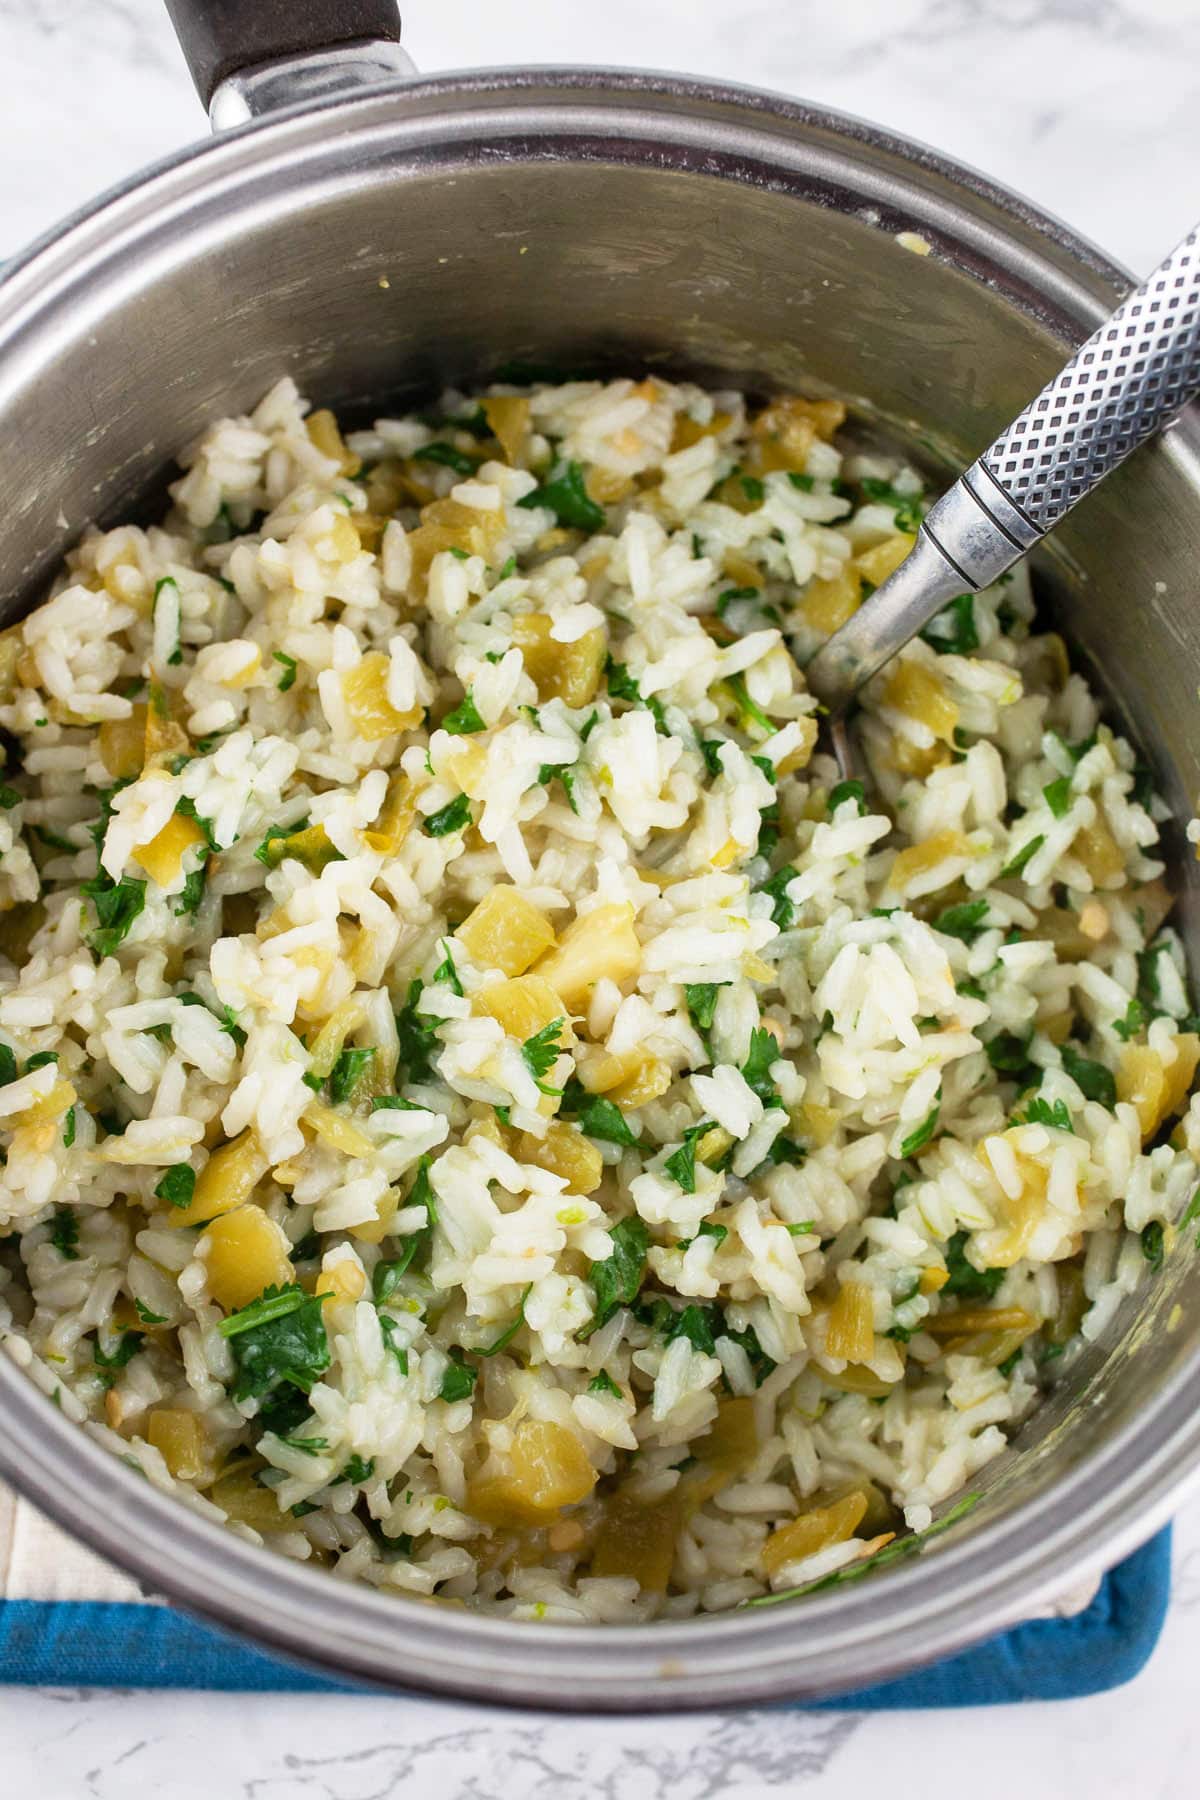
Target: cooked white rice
pixel 668 1170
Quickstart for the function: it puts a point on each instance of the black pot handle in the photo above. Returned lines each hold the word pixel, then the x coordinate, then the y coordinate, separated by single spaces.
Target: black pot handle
pixel 221 38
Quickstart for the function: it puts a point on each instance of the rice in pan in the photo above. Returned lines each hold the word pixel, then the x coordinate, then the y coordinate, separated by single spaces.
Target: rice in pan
pixel 483 1105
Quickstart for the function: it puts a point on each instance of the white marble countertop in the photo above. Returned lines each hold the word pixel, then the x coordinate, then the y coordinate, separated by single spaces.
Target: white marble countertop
pixel 1092 107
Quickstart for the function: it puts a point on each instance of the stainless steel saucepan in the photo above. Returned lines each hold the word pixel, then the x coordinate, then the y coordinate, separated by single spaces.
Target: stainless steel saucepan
pixel 377 233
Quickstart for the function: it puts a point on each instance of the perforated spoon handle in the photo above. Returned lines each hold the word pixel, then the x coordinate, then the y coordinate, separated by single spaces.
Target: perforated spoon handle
pixel 1131 377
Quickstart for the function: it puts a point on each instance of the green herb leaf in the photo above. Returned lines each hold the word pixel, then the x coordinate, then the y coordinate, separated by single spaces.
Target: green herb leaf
pixel 117 905
pixel 192 893
pixel 465 719
pixel 1132 1023
pixel 64 1233
pixel 701 998
pixel 356 1470
pixel 968 1282
pixel 681 1164
pixel 279 1339
pixel 847 790
pixel 447 455
pixel 1023 856
pixel 147 1317
pixel 617 1280
pixel 540 1052
pixel 567 497
pixel 1008 1053
pixel 953 631
pixel 108 1362
pixel 1041 1112
pixel 764 1053
pixel 1152 1243
pixel 9 797
pixel 446 975
pixel 177 1185
pixel 753 488
pixel 603 1383
pixel 917 1140
pixel 598 1118
pixel 288 664
pixel 348 1071
pixel 510 1331
pixel 965 921
pixel 1057 795
pixel 783 913
pixel 398 1351
pixel 458 1381
pixel 1093 1080
pixel 456 816
pixel 908 508
pixel 417 1034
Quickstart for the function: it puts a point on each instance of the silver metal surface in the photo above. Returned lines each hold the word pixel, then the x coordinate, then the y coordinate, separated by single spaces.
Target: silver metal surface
pixel 1132 376
pixel 299 80
pixel 625 220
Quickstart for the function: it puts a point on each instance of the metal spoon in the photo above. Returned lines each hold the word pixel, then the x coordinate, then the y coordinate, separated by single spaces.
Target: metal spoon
pixel 1131 377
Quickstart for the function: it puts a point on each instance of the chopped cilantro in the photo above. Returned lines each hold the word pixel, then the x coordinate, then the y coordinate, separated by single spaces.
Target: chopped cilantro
pixel 1008 1054
pixel 763 1053
pixel 1093 1080
pixel 447 455
pixel 458 1380
pixel 64 1233
pixel 1023 856
pixel 464 719
pixel 277 834
pixel 510 1331
pixel 953 631
pixel 908 510
pixel 147 1317
pixel 117 904
pixel 783 913
pixel 1132 1023
pixel 681 1164
pixel 567 497
pixel 177 1185
pixel 1152 1243
pixel 965 921
pixel 1041 1112
pixel 348 1071
pixel 966 1280
pixel 417 1033
pixel 1057 795
pixel 357 1469
pixel 456 816
pixel 603 1383
pixel 108 1362
pixel 446 975
pixel 279 1339
pixel 540 1052
pixel 288 664
pixel 753 488
pixel 917 1140
pixel 598 1117
pixel 701 998
pixel 847 790
pixel 617 1280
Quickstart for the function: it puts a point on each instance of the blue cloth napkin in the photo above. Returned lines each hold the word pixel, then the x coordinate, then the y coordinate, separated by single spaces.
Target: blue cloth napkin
pixel 114 1644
